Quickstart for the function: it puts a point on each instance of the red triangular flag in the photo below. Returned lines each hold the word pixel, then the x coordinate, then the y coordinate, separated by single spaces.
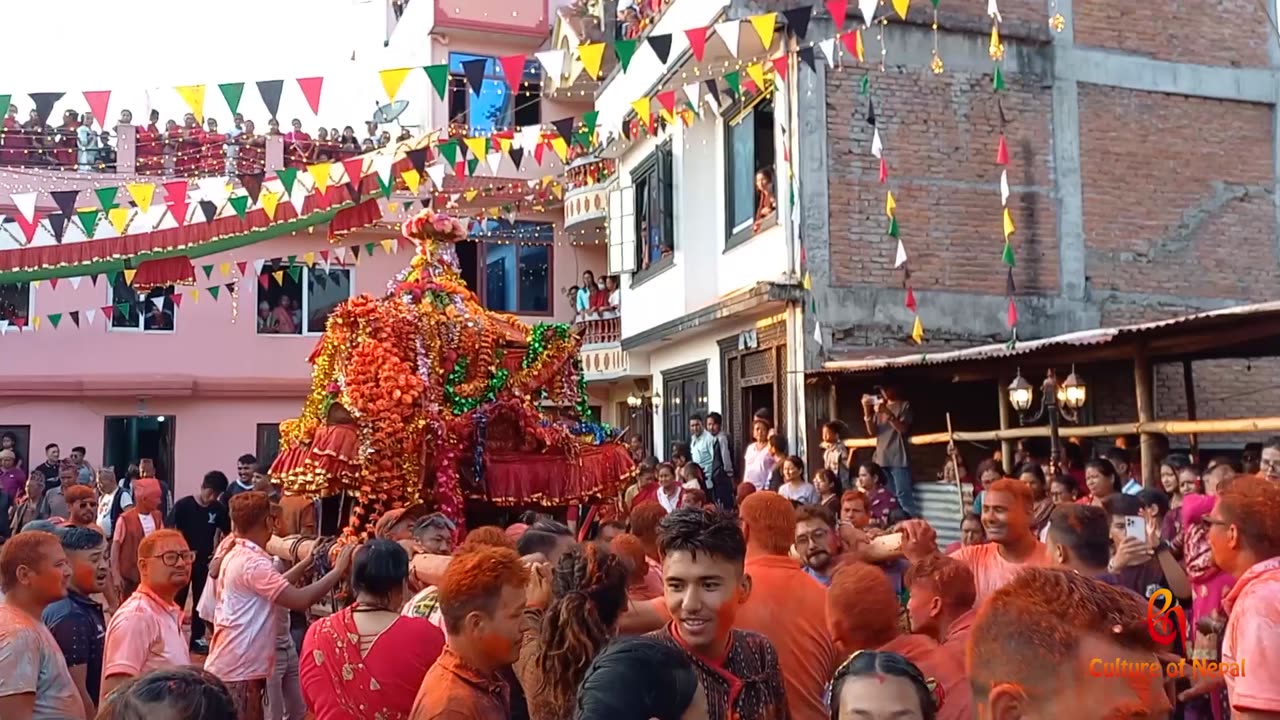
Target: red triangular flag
pixel 21 322
pixel 242 266
pixel 311 91
pixel 177 299
pixel 884 170
pixel 537 153
pixel 460 169
pixel 667 100
pixel 108 311
pixel 911 300
pixel 839 9
pixel 853 43
pixel 355 168
pixel 53 283
pixel 513 70
pixel 97 101
pixel 264 280
pixel 176 192
pixel 697 41
pixel 1002 152
pixel 29 228
pixel 324 255
pixel 1013 313
pixel 749 86
pixel 780 66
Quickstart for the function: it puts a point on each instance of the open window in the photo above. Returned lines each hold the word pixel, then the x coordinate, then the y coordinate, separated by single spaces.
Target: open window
pixel 496 107
pixel 509 266
pixel 750 179
pixel 297 300
pixel 153 311
pixel 16 303
pixel 655 238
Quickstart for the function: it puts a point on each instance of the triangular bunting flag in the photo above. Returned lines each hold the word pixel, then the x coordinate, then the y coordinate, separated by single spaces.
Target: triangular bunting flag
pixel 564 127
pixel 890 205
pixel 108 312
pixel 917 331
pixel 1012 313
pixel 589 120
pixel 231 93
pixel 494 161
pixel 4 105
pixel 97 101
pixel 75 317
pixel 868 10
pixel 106 197
pixel 175 193
pixel 798 20
pixel 57 225
pixel 90 315
pixel 311 87
pixel 893 227
pixel 734 81
pixel 142 194
pixel 513 70
pixel 129 274
pixel 392 80
pixel 661 46
pixel 252 185
pixel 900 256
pixel 270 91
pixel 88 221
pixel 625 49
pixel 1004 187
pixel 119 219
pixel 997 79
pixel 439 77
pixel 839 10
pixel 240 204
pixel 474 71
pixel 780 64
pixel 214 290
pixel 412 178
pixel 54 319
pixel 478 146
pixel 755 71
pixel 1006 256
pixel 910 301
pixel 177 299
pixel 270 200
pixel 901 7
pixel 560 146
pixel 697 41
pixel 436 172
pixel 44 102
pixel 1002 152
pixel 828 48
pixel 592 56
pixel 193 96
pixel 26 203
pixel 764 26
pixel 667 99
pixel 418 159
pixel 279 277
pixel 853 44
pixel 208 271
pixel 320 175
pixel 449 150
pixel 209 210
pixel 884 171
pixel 1008 224
pixel 877 146
pixel 729 32
pixel 553 62
pixel 288 178
pixel 65 200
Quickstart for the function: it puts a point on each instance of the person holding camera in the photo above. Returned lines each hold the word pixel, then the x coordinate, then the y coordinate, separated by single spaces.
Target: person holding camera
pixel 888 418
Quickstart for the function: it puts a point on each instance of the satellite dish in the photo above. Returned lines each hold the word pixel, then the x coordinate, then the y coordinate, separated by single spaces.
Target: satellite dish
pixel 386 114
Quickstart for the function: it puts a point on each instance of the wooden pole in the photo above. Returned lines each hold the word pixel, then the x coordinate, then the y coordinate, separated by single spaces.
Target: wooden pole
pixel 1006 446
pixel 1167 427
pixel 1189 387
pixel 955 467
pixel 1142 371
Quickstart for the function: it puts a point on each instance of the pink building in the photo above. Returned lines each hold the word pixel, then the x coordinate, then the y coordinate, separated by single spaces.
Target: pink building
pixel 194 380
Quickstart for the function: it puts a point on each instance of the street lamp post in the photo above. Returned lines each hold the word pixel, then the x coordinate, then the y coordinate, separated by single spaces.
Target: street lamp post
pixel 1057 402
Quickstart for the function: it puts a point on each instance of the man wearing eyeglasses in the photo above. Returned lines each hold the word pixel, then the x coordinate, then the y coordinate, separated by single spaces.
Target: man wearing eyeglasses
pixel 145 634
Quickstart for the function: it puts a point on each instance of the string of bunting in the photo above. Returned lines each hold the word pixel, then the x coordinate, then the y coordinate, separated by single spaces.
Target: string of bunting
pixel 996 51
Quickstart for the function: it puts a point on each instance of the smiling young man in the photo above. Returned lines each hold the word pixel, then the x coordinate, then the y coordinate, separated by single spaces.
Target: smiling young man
pixel 703 559
pixel 76 621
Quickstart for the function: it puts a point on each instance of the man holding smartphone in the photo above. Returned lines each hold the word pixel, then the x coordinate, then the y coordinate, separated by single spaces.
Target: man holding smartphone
pixel 888 417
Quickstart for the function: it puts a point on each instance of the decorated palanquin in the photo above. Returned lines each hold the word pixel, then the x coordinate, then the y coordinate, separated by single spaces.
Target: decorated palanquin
pixel 423 396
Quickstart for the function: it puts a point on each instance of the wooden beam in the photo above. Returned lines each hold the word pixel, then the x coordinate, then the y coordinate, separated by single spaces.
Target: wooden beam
pixel 1142 385
pixel 1167 427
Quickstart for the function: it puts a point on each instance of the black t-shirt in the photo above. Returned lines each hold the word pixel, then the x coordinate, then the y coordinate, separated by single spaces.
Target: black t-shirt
pixel 78 625
pixel 200 524
pixel 50 472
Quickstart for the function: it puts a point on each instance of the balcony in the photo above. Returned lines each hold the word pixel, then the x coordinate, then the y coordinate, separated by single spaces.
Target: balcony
pixel 602 355
pixel 588 182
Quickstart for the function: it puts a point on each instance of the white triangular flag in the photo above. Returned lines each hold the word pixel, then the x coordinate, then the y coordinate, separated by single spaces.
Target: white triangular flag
pixel 901 258
pixel 693 91
pixel 298 198
pixel 158 301
pixel 728 32
pixel 257 266
pixel 553 62
pixel 382 163
pixel 4 326
pixel 993 10
pixel 1004 187
pixel 436 173
pixel 817 332
pixel 494 160
pixel 341 253
pixel 828 48
pixel 75 283
pixel 26 204
pixel 868 10
pixel 213 189
pixel 877 147
pixel 90 315
pixel 529 136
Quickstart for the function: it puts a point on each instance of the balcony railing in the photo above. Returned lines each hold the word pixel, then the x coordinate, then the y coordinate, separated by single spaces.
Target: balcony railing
pixel 600 332
pixel 587 185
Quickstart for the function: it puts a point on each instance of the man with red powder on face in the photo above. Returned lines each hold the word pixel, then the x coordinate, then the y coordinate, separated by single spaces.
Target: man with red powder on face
pixel 862 614
pixel 703 556
pixel 940 597
pixel 1042 645
pixel 1012 544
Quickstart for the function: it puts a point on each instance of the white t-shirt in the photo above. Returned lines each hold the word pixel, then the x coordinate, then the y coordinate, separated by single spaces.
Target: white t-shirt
pixel 148 524
pixel 104 508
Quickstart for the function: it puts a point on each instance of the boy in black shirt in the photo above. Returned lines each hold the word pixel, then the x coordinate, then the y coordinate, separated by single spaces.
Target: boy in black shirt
pixel 203 520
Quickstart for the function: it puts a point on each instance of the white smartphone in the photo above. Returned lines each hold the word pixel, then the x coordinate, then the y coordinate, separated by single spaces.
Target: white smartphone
pixel 1135 527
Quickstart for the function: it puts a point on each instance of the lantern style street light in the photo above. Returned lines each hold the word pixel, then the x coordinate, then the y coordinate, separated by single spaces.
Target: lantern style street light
pixel 1057 402
pixel 635 402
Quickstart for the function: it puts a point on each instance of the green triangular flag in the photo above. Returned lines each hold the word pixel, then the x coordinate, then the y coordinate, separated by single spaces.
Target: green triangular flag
pixel 387 187
pixel 288 176
pixel 123 308
pixel 4 105
pixel 231 92
pixel 208 271
pixel 295 272
pixel 368 249
pixel 116 277
pixel 450 151
pixel 997 79
pixel 735 82
pixel 935 4
pixel 1007 255
pixel 439 75
pixel 106 197
pixel 213 291
pixel 472 164
pixel 893 227
pixel 54 319
pixel 239 203
pixel 626 49
pixel 865 87
pixel 293 259
pixel 582 138
pixel 589 120
pixel 88 221
pixel 813 305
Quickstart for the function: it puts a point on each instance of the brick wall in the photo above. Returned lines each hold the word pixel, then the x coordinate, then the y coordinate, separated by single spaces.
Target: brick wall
pixel 1205 32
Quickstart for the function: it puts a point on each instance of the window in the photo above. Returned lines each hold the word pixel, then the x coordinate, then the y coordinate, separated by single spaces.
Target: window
pixel 20 436
pixel 283 307
pixel 516 258
pixel 749 163
pixel 267 445
pixel 152 311
pixel 655 229
pixel 496 107
pixel 684 392
pixel 16 300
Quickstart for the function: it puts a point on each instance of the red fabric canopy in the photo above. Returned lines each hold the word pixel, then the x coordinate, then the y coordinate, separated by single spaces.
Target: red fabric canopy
pixel 515 478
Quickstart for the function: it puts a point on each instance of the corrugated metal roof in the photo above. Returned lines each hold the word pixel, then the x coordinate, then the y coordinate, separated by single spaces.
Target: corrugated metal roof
pixel 1099 336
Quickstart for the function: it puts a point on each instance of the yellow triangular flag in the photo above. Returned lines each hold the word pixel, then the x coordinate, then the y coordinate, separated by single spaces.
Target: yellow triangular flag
pixel 119 218
pixel 1008 224
pixel 195 295
pixel 687 116
pixel 35 284
pixel 471 194
pixel 901 6
pixel 393 207
pixel 309 259
pixel 225 269
pixel 890 204
pixel 413 179
pixel 504 144
pixel 388 245
pixel 558 191
pixel 547 180
pixel 35 323
pixel 591 55
pixel 270 199
pixel 479 146
pixel 193 96
pixel 320 175
pixel 917 331
pixel 142 194
pixel 392 80
pixel 128 276
pixel 495 212
pixel 808 281
pixel 755 71
pixel 641 107
pixel 764 25
pixel 279 276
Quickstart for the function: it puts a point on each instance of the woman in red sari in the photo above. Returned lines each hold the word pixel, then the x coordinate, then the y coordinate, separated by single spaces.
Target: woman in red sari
pixel 367 661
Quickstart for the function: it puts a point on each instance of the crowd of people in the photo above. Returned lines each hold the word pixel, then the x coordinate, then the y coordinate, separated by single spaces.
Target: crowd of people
pixel 702 596
pixel 188 149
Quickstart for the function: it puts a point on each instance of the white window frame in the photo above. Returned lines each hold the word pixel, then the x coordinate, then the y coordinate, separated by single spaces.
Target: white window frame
pixel 31 303
pixel 349 268
pixel 111 326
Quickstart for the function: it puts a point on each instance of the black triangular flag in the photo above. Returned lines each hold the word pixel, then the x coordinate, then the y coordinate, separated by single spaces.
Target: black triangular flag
pixel 1009 288
pixel 564 126
pixel 253 185
pixel 473 71
pixel 798 20
pixel 626 130
pixel 713 90
pixel 231 287
pixel 661 45
pixel 418 158
pixel 353 189
pixel 58 224
pixel 871 113
pixel 65 200
pixel 209 210
pixel 322 279
pixel 270 92
pixel 662 122
pixel 44 103
pixel 517 156
pixel 807 57
pixel 75 317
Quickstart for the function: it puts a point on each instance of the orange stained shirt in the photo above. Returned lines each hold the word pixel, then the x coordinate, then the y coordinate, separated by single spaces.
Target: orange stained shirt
pixel 1253 623
pixel 940 664
pixel 145 634
pixel 789 608
pixel 453 690
pixel 991 571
